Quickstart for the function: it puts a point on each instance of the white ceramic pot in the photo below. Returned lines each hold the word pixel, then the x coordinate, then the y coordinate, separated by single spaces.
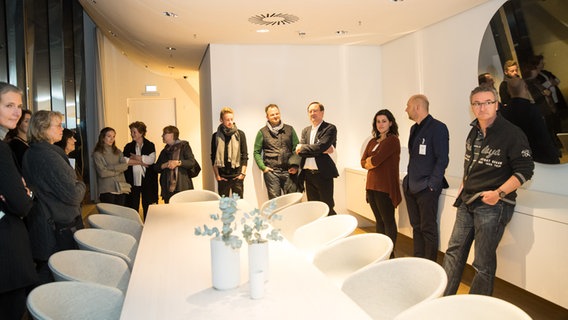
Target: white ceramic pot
pixel 225 265
pixel 258 268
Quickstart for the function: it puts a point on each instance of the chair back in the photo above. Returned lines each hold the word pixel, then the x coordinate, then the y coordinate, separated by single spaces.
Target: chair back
pixel 121 211
pixel 387 288
pixel 281 202
pixel 297 215
pixel 343 257
pixel 194 195
pixel 319 233
pixel 110 242
pixel 116 223
pixel 70 300
pixel 464 307
pixel 90 266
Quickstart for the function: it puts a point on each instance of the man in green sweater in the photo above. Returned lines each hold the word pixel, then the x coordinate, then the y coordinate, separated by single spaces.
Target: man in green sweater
pixel 273 153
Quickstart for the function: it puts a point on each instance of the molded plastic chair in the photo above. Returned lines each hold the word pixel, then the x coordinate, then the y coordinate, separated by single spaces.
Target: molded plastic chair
pixel 121 211
pixel 387 288
pixel 194 195
pixel 298 215
pixel 315 235
pixel 70 300
pixel 464 307
pixel 281 202
pixel 90 266
pixel 115 223
pixel 110 242
pixel 341 258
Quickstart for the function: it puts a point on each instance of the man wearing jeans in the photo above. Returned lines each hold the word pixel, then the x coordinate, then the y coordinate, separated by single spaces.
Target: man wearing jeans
pixel 497 161
pixel 274 145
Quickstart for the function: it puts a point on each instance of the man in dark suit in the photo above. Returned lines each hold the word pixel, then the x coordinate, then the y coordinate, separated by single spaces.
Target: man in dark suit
pixel 428 146
pixel 318 169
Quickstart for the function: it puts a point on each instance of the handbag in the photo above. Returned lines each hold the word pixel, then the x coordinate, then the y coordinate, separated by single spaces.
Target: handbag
pixel 195 170
pixel 122 187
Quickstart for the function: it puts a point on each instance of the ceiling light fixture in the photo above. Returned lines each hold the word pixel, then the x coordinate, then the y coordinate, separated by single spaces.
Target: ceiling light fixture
pixel 262 30
pixel 171 48
pixel 341 32
pixel 271 19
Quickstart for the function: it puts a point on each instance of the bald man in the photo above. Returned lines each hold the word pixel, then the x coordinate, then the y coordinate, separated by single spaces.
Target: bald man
pixel 428 147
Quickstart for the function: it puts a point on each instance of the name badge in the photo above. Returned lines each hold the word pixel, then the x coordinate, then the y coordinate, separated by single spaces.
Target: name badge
pixel 422 149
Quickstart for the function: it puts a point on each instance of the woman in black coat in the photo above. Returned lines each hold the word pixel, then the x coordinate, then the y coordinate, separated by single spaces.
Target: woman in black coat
pixel 141 154
pixel 176 164
pixel 16 264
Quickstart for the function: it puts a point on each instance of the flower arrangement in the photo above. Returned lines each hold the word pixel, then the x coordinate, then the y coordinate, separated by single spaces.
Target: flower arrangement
pixel 228 208
pixel 255 224
pixel 256 227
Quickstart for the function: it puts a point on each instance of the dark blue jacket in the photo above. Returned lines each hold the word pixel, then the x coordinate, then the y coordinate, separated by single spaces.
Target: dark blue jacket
pixel 426 169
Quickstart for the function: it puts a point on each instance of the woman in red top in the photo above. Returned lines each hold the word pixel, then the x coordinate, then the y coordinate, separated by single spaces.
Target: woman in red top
pixel 381 158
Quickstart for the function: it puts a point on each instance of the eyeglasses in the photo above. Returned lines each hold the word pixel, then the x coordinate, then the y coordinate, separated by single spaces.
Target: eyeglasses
pixel 478 104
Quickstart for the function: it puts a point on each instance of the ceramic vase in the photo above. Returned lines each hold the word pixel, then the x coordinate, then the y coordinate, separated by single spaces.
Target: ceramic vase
pixel 258 268
pixel 225 265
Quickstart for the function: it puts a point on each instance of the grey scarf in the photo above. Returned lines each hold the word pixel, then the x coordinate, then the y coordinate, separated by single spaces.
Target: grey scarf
pixel 233 150
pixel 276 129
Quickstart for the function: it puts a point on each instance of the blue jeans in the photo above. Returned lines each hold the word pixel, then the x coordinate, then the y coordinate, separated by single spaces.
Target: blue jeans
pixel 485 224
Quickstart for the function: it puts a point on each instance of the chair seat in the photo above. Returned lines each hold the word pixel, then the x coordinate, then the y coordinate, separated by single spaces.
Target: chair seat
pixel 387 288
pixel 464 307
pixel 90 266
pixel 70 300
pixel 110 242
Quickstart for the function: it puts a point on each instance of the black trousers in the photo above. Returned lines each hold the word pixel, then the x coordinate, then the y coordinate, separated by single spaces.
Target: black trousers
pixel 13 304
pixel 423 214
pixel 319 188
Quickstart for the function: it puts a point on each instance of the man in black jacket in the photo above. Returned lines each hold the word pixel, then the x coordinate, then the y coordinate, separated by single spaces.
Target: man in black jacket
pixel 318 169
pixel 497 161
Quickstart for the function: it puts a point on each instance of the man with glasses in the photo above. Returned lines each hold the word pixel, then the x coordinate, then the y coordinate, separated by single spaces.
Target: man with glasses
pixel 497 161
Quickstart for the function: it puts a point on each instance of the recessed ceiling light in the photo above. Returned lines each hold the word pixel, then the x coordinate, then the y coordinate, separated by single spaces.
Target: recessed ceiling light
pixel 171 48
pixel 341 32
pixel 262 30
pixel 170 14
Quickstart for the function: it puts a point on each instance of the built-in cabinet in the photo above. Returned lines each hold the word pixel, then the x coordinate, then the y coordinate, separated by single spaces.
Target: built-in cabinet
pixel 533 253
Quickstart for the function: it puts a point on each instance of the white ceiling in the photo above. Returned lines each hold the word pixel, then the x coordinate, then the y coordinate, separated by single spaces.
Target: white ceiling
pixel 143 32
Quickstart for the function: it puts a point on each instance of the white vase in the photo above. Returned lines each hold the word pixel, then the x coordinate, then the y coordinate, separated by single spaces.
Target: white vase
pixel 258 259
pixel 225 265
pixel 258 268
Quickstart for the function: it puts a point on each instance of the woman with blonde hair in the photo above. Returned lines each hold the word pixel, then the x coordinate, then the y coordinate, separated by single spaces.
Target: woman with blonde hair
pixel 57 211
pixel 16 263
pixel 110 165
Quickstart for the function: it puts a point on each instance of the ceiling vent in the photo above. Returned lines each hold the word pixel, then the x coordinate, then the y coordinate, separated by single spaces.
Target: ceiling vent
pixel 273 19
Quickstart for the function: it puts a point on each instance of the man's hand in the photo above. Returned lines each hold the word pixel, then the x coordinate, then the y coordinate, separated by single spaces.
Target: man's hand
pixel 292 170
pixel 267 169
pixel 329 150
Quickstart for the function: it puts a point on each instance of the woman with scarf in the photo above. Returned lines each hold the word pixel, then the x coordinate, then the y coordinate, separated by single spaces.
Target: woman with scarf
pixel 229 155
pixel 176 164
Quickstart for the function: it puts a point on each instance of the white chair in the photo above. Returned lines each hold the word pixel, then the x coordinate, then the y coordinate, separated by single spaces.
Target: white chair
pixel 115 223
pixel 299 214
pixel 464 307
pixel 121 211
pixel 387 288
pixel 281 202
pixel 194 195
pixel 110 242
pixel 315 235
pixel 90 266
pixel 341 258
pixel 70 300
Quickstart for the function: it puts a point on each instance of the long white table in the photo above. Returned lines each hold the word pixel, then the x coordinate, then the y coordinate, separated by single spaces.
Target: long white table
pixel 171 278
